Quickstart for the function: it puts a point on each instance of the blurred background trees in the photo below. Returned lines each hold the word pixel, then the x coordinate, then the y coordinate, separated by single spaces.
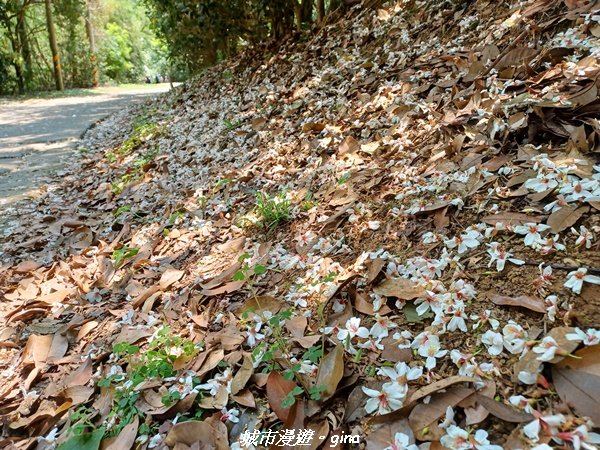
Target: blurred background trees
pixel 47 44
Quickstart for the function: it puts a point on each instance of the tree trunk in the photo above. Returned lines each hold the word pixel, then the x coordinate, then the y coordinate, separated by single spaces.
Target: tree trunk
pixel 307 10
pixel 320 11
pixel 298 15
pixel 89 28
pixel 25 48
pixel 54 47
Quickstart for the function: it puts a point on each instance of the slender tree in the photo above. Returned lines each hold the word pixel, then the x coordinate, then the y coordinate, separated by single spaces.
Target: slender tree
pixel 58 79
pixel 24 43
pixel 320 11
pixel 89 28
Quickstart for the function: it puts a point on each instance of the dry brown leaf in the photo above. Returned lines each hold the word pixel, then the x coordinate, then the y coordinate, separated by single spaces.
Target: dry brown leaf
pixel 510 218
pixel 36 350
pixel 401 288
pixel 213 359
pixel 194 431
pixel 529 363
pixel 126 438
pixel 424 416
pixel 566 217
pixel 169 277
pixel 277 390
pixel 331 371
pixel 385 435
pixel 81 375
pixel 502 411
pixel 227 288
pixel 524 301
pixel 577 382
pixel 242 375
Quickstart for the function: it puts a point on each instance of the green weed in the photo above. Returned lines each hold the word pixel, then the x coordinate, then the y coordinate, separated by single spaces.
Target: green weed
pixel 120 255
pixel 273 210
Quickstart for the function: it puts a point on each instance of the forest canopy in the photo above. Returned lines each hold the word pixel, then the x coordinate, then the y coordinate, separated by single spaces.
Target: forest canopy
pixel 47 44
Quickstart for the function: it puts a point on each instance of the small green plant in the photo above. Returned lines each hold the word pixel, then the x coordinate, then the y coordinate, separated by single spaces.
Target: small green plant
pixel 232 124
pixel 273 210
pixel 227 75
pixel 143 132
pixel 120 255
pixel 248 273
pixel 343 178
pixel 82 433
pixel 145 159
pixel 84 151
pixel 111 157
pixel 153 363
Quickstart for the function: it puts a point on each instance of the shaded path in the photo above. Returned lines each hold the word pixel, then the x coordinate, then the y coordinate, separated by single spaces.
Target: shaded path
pixel 37 135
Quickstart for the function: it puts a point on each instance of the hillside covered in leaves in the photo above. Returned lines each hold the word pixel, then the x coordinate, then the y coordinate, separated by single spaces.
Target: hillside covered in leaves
pixel 386 231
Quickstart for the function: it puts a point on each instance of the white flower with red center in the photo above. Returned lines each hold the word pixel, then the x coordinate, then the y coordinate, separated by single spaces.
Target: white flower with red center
pixel 388 399
pixel 431 350
pixel 522 403
pixel 448 419
pixel 480 441
pixel 403 339
pixel 542 183
pixel 455 438
pixel 381 327
pixel 532 232
pixel 578 190
pixel 371 344
pixel 589 337
pixel 493 341
pixel 230 415
pixel 401 374
pixel 483 318
pixel 464 242
pixel 551 303
pixel 402 442
pixel 432 301
pixel 547 349
pixel 458 317
pixel 576 278
pixel 499 255
pixel 352 329
pixel 462 290
pixel 556 204
pixel 580 438
pixel 549 244
pixel 497 228
pixel 549 424
pixel 515 337
pixel 545 279
pixel 430 238
pixel 253 333
pixel 585 237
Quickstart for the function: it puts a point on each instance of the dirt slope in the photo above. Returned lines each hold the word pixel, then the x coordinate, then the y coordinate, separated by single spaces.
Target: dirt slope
pixel 386 231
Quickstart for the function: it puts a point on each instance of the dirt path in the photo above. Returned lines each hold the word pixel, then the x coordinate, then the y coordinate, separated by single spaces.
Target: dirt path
pixel 38 135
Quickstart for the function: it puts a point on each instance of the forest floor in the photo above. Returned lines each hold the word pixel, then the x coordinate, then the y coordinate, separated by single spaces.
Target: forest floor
pixel 382 236
pixel 39 133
